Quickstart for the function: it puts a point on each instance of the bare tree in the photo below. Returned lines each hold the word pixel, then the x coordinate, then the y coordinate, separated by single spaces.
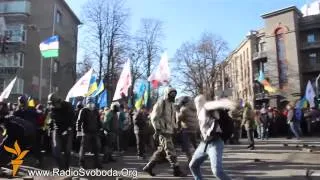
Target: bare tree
pixel 107 36
pixel 150 36
pixel 147 47
pixel 196 64
pixel 84 66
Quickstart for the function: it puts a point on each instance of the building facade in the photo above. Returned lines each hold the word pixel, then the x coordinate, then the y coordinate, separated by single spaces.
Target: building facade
pixel 286 51
pixel 28 23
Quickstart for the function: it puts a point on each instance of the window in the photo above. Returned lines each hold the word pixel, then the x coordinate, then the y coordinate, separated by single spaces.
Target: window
pixel 311 38
pixel 281 55
pixel 58 17
pixel 16 33
pixel 12 60
pixel 312 58
pixel 15 7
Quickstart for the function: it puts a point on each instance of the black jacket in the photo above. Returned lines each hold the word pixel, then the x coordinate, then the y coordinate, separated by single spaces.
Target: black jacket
pixel 27 114
pixel 18 128
pixel 88 121
pixel 61 118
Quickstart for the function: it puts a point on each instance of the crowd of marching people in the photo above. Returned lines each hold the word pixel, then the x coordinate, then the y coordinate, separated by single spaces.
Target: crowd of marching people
pixel 203 128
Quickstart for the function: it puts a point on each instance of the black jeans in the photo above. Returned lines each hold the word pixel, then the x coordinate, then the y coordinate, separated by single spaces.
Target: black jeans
pixel 62 143
pixel 250 133
pixel 188 138
pixel 140 141
pixel 90 140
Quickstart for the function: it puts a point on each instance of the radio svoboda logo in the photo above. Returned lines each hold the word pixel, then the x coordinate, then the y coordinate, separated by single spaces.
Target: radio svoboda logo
pixel 125 172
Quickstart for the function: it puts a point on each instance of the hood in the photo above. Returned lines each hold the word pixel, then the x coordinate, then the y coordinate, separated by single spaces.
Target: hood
pixel 168 91
pixel 186 101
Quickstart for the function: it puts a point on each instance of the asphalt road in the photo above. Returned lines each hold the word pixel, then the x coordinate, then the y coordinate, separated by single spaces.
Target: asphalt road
pixel 273 159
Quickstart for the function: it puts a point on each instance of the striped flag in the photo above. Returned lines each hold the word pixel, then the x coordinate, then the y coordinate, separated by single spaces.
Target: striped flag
pixel 99 90
pixel 93 86
pixel 140 96
pixel 102 100
pixel 50 47
pixel 266 85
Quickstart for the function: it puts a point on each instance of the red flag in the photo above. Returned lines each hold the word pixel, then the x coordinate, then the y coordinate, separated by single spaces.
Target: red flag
pixel 162 74
pixel 124 83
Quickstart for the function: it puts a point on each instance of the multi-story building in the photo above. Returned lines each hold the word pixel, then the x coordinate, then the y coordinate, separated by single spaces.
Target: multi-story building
pixel 237 72
pixel 286 50
pixel 28 23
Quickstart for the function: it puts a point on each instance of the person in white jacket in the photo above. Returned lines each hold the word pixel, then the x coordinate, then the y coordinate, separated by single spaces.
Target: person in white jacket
pixel 210 116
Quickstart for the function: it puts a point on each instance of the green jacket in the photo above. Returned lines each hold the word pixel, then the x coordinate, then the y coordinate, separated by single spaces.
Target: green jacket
pixel 113 122
pixel 248 119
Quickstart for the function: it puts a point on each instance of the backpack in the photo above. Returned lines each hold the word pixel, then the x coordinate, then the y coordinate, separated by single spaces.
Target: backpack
pixel 226 124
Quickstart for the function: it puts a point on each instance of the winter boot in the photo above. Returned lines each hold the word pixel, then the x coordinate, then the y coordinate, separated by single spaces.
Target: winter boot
pixel 148 168
pixel 177 172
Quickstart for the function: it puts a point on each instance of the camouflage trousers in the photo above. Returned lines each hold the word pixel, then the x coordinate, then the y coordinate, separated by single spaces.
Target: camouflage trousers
pixel 165 148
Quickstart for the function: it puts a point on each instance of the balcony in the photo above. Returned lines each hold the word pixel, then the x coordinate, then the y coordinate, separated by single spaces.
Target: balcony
pixel 15 7
pixel 309 22
pixel 12 60
pixel 310 45
pixel 260 56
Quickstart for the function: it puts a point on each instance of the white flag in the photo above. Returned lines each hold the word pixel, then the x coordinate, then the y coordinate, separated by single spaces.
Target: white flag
pixel 310 94
pixel 162 74
pixel 125 81
pixel 7 91
pixel 81 87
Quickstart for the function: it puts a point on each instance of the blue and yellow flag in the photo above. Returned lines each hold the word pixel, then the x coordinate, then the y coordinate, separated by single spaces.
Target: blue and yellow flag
pixel 140 96
pixel 99 90
pixel 93 85
pixel 267 86
pixel 102 101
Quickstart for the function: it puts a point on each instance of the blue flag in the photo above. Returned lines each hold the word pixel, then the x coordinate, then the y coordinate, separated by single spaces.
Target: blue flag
pixel 102 101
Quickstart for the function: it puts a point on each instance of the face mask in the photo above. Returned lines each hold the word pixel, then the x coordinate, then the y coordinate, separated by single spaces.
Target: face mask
pixel 172 96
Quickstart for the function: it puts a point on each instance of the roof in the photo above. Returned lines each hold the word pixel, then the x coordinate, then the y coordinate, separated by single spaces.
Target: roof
pixel 74 16
pixel 281 11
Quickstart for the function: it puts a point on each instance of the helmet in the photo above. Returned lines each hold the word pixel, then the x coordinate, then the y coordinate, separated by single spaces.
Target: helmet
pixel 22 100
pixel 53 98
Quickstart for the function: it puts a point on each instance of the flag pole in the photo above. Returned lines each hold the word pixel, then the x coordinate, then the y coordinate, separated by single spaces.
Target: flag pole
pixel 53 32
pixel 40 79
